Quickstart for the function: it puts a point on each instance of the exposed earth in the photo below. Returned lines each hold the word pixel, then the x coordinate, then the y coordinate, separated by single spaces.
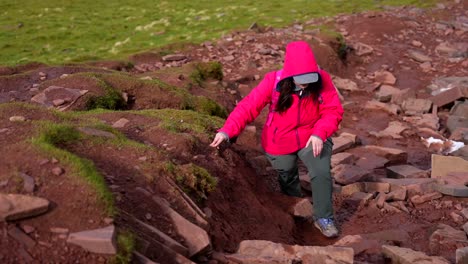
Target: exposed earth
pixel 145 164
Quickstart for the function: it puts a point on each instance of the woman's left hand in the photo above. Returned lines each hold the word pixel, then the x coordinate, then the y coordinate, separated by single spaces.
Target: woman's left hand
pixel 317 145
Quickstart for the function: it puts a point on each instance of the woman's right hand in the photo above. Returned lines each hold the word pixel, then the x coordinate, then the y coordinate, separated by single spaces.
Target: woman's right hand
pixel 219 138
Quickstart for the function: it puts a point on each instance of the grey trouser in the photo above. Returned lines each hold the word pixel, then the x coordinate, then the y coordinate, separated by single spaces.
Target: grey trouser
pixel 319 173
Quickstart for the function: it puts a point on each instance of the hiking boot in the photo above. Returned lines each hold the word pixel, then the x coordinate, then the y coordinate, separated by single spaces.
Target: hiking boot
pixel 326 226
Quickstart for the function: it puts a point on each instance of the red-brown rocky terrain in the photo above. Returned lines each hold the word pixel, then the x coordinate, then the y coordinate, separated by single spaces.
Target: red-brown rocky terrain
pixel 78 185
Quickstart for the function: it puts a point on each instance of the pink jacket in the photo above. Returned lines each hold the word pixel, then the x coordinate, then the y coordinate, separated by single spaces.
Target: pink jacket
pixel 288 132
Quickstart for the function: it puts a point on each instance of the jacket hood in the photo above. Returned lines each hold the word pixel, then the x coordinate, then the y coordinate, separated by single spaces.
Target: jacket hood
pixel 299 59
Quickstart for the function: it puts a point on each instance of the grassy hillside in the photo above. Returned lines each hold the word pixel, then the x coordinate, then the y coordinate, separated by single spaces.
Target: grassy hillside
pixel 55 31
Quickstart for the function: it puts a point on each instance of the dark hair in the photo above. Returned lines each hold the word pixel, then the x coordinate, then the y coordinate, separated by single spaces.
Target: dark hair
pixel 286 89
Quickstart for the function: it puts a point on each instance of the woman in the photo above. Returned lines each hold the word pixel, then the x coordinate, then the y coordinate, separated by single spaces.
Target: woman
pixel 305 111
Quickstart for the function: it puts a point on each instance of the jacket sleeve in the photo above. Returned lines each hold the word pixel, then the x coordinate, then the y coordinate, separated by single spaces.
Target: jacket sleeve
pixel 330 110
pixel 249 107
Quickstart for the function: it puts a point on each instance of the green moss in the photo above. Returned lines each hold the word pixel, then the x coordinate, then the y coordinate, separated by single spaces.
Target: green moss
pixel 184 121
pixel 51 136
pixel 56 134
pixel 110 100
pixel 195 180
pixel 210 107
pixel 170 167
pixel 125 245
pixel 342 48
pixel 207 70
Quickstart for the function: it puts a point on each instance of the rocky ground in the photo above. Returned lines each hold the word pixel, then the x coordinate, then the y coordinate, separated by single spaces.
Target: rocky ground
pixel 83 186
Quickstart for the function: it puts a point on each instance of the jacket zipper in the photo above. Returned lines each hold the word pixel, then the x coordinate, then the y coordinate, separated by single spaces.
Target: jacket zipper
pixel 298 120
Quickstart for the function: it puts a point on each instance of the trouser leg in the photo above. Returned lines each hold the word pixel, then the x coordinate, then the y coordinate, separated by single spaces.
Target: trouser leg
pixel 320 178
pixel 288 173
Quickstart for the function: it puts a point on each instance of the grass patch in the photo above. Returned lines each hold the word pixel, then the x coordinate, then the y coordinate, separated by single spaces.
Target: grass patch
pixel 207 106
pixel 184 121
pixel 195 180
pixel 54 31
pixel 49 140
pixel 125 245
pixel 110 100
pixel 206 70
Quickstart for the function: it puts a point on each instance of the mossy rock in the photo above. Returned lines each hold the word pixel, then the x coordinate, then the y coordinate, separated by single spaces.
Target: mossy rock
pixel 195 180
pixel 207 70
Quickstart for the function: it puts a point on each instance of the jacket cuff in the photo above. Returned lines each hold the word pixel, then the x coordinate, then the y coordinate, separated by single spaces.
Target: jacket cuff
pixel 318 137
pixel 226 136
pixel 322 136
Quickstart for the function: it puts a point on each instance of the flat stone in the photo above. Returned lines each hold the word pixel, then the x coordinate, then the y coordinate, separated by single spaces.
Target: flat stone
pixel 359 244
pixel 260 251
pixel 341 144
pixel 420 199
pixel 413 106
pixel 17 206
pixel 442 84
pixel 196 239
pixel 418 56
pixel 174 57
pixel 57 171
pixel 465 228
pixel 445 238
pixel 460 109
pixel 120 123
pixel 352 188
pixel 191 208
pixel 409 256
pixel 28 182
pixel 461 255
pixel 449 96
pixel 59 230
pixel 141 259
pixel 21 237
pixel 452 50
pixel 25 256
pixel 376 105
pixel 425 120
pixel 57 96
pixel 454 184
pixel 362 49
pixel 443 165
pixel 17 119
pixel 361 197
pixel 405 171
pixel 392 154
pixel 28 229
pixel 394 130
pixel 371 162
pixel 96 132
pixel 342 158
pixel 100 240
pixel 345 84
pixel 162 237
pixel 385 93
pixel 346 174
pixel 384 77
pixel 302 208
pixel 454 122
pixel 412 185
pixel 58 102
pixel 397 195
pixel 399 98
pixel 372 187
